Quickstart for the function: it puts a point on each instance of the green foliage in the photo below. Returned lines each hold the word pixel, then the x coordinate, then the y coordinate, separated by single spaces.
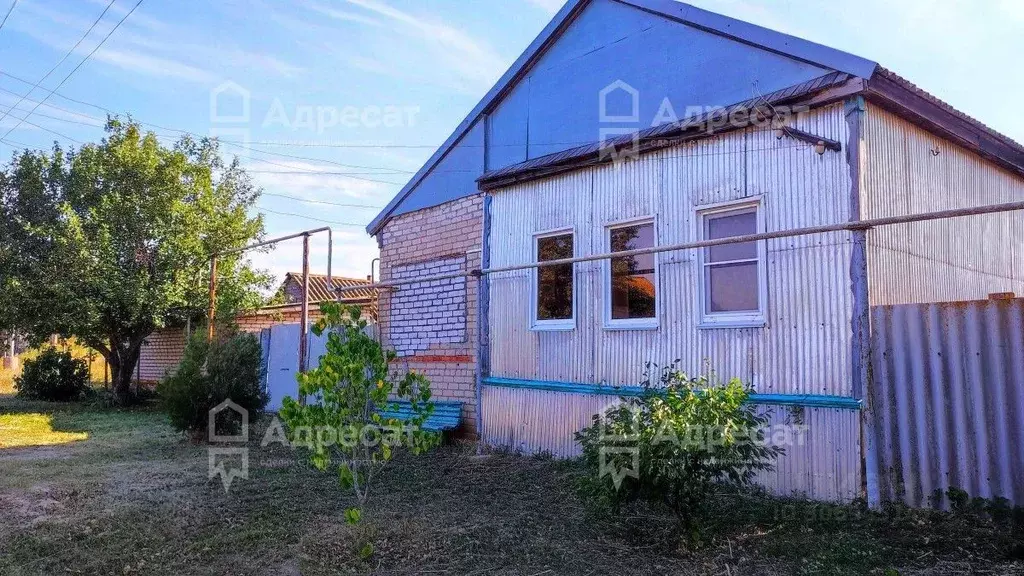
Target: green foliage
pixel 55 376
pixel 229 369
pixel 673 445
pixel 347 393
pixel 110 241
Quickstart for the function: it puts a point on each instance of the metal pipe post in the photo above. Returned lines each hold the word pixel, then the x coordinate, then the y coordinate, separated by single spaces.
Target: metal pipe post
pixel 213 298
pixel 304 319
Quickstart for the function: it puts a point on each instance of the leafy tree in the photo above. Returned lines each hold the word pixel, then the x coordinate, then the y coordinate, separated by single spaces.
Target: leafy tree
pixel 675 444
pixel 349 394
pixel 111 241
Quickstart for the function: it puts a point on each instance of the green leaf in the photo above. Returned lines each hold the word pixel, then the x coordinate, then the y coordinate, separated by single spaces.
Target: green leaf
pixel 352 516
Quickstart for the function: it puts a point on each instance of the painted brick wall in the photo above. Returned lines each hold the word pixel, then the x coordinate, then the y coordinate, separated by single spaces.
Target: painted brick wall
pixel 432 312
pixel 445 237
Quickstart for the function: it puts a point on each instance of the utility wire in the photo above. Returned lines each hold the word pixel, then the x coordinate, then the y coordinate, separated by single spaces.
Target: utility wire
pixel 299 170
pixel 75 69
pixel 300 199
pixel 8 15
pixel 262 209
pixel 61 61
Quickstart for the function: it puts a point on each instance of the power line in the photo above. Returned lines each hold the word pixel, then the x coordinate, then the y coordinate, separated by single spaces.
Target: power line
pixel 61 61
pixel 8 15
pixel 342 205
pixel 303 216
pixel 75 69
pixel 31 101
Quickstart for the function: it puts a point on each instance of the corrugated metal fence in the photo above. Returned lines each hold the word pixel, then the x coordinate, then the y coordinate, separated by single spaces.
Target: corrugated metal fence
pixel 947 401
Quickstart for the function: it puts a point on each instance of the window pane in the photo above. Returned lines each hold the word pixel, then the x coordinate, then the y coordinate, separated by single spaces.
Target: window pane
pixel 732 287
pixel 554 283
pixel 632 281
pixel 726 226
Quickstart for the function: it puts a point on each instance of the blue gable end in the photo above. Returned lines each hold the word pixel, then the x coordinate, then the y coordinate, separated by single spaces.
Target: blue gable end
pixel 666 51
pixel 671 66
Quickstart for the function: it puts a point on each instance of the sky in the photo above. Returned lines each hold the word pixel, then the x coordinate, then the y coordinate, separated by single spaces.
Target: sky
pixel 340 101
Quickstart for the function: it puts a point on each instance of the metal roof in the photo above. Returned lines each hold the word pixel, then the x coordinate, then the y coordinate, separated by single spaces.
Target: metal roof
pixel 652 138
pixel 884 86
pixel 318 291
pixel 677 11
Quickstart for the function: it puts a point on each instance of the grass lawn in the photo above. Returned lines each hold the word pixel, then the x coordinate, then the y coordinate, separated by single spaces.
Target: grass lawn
pixel 104 492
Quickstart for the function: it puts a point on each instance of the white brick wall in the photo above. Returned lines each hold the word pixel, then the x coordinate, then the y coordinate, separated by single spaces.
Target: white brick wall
pixel 431 312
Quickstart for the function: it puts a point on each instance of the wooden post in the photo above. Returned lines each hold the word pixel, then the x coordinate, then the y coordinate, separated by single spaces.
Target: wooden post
pixel 213 298
pixel 304 318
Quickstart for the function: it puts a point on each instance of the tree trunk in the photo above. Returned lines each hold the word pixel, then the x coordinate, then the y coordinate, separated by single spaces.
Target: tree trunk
pixel 122 362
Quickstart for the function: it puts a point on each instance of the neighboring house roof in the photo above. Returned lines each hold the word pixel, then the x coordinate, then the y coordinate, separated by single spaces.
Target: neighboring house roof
pixel 882 86
pixel 318 291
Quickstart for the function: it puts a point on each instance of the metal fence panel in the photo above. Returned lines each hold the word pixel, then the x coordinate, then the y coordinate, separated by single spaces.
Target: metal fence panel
pixel 947 399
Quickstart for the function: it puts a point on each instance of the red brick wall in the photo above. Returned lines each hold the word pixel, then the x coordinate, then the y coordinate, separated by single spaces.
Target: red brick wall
pixel 162 350
pixel 443 347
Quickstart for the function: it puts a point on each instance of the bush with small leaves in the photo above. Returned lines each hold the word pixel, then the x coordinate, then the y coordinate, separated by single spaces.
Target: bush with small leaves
pixel 675 444
pixel 231 368
pixel 55 376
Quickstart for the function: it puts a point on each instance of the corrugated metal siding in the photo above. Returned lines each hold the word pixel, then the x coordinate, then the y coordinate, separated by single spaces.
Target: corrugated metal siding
pixel 805 347
pixel 909 170
pixel 822 460
pixel 948 399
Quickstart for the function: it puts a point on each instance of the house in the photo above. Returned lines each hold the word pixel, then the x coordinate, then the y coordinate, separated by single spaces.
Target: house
pixel 633 124
pixel 162 351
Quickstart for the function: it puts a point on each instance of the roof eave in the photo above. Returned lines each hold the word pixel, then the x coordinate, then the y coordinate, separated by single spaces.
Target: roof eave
pixel 903 99
pixel 815 93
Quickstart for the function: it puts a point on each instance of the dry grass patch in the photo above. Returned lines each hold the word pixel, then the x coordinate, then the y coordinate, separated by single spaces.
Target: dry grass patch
pixel 134 498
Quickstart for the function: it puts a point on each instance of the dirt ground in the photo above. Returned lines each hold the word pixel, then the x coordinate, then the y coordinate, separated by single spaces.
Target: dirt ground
pixel 121 493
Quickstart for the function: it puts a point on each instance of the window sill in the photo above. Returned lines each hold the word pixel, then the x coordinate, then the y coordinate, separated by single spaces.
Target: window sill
pixel 705 325
pixel 555 327
pixel 631 325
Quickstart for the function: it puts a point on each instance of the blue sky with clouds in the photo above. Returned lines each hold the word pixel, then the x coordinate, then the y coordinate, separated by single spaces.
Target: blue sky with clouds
pixel 383 81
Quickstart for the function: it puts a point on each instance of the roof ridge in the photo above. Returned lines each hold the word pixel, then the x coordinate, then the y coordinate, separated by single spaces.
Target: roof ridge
pixel 333 277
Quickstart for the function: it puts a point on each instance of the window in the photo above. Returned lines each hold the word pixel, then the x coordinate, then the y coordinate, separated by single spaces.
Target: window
pixel 733 289
pixel 631 285
pixel 553 285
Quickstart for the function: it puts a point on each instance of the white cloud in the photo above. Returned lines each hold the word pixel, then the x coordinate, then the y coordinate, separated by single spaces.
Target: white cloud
pixel 143 45
pixel 473 62
pixel 342 14
pixel 549 6
pixel 297 178
pixel 152 65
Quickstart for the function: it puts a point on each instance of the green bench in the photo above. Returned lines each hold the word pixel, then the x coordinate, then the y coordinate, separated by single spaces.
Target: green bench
pixel 446 415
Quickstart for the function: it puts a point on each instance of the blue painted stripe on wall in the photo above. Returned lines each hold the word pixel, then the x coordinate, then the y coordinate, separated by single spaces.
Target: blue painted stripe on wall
pixel 808 400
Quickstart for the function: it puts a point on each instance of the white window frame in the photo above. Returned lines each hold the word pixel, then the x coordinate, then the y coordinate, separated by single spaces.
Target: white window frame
pixel 610 323
pixel 747 319
pixel 562 324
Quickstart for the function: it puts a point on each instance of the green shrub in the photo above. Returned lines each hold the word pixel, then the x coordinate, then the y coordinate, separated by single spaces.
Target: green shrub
pixel 675 444
pixel 231 368
pixel 55 376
